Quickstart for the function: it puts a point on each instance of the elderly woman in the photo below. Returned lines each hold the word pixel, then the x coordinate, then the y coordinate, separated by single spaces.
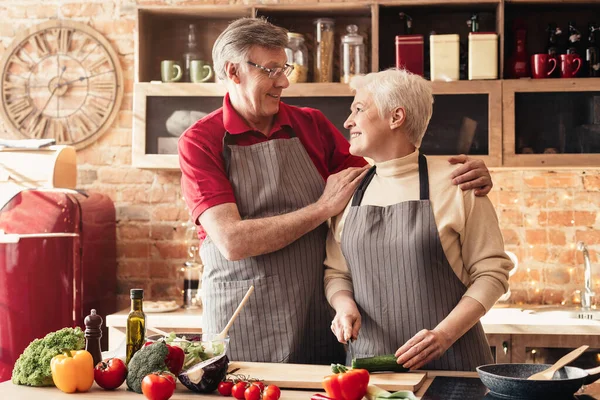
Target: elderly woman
pixel 413 262
pixel 261 178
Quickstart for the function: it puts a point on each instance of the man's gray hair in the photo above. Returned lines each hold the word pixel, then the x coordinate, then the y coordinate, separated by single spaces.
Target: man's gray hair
pixel 395 88
pixel 234 43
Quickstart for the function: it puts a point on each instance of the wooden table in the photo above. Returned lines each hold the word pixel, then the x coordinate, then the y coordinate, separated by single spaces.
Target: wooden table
pixel 10 391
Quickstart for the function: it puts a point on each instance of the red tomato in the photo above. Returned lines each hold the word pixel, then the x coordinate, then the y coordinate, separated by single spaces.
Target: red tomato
pixel 272 392
pixel 158 386
pixel 252 393
pixel 110 373
pixel 239 389
pixel 225 388
pixel 260 384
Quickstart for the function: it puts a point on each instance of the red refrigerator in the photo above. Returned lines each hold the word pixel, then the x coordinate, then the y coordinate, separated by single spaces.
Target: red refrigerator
pixel 57 262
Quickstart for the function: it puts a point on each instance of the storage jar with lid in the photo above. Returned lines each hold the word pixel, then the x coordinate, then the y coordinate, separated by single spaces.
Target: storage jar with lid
pixel 323 57
pixel 483 55
pixel 352 55
pixel 444 57
pixel 297 56
pixel 409 47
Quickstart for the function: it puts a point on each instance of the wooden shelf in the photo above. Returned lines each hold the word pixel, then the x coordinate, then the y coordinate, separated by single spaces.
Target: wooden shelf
pixel 552 85
pixel 437 2
pixel 317 9
pixel 309 89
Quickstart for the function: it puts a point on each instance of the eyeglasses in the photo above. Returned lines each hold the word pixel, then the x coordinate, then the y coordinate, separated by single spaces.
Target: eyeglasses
pixel 275 73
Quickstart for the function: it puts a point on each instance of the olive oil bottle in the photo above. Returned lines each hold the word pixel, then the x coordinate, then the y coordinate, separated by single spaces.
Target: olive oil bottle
pixel 136 324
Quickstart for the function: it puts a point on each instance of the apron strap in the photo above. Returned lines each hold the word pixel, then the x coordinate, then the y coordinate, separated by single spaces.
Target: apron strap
pixel 423 177
pixel 423 182
pixel 360 191
pixel 229 140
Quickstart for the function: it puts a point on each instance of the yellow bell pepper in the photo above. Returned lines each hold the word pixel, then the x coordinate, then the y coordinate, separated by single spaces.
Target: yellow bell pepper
pixel 73 371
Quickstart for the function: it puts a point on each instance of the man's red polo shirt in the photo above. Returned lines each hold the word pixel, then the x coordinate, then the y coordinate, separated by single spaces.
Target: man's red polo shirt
pixel 204 182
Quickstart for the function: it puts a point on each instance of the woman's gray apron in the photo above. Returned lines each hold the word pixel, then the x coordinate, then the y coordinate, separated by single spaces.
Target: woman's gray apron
pixel 402 280
pixel 287 318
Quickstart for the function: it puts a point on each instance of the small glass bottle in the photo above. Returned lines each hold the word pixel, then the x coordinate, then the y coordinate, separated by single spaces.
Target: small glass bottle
pixel 192 52
pixel 297 56
pixel 352 55
pixel 192 272
pixel 136 324
pixel 324 42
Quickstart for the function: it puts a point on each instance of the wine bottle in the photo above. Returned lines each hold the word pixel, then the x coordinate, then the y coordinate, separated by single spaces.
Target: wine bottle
pixel 136 324
pixel 552 45
pixel 592 55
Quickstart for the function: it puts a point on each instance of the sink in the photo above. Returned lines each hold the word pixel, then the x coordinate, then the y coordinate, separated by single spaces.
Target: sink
pixel 567 313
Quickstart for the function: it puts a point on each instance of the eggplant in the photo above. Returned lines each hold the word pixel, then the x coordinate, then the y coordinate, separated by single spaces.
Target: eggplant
pixel 205 377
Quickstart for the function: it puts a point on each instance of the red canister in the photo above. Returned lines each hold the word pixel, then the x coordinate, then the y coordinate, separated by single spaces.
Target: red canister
pixel 409 53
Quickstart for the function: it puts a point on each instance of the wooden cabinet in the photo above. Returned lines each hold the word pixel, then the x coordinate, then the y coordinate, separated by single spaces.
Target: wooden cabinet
pixel 543 349
pixel 551 122
pixel 501 346
pixel 489 119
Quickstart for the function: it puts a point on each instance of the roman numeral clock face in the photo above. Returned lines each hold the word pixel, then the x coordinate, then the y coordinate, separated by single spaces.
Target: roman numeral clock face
pixel 61 80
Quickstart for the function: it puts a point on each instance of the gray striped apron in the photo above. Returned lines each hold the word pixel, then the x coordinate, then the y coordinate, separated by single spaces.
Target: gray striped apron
pixel 402 280
pixel 287 318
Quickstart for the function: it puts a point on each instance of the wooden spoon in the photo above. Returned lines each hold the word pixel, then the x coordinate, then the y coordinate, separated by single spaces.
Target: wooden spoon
pixel 547 374
pixel 223 333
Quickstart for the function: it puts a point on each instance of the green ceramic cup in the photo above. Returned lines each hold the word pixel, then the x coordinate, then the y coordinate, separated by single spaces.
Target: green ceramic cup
pixel 200 71
pixel 170 71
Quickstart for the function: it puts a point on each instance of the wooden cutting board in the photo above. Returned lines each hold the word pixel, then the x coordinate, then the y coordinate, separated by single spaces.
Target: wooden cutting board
pixel 302 376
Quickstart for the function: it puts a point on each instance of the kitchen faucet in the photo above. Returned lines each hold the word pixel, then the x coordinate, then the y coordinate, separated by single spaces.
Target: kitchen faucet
pixel 586 299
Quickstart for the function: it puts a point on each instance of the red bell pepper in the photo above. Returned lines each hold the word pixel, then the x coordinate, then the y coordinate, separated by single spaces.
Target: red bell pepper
pixel 174 359
pixel 346 384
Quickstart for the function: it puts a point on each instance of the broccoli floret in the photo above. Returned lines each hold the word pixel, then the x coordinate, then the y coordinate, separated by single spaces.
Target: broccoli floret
pixel 33 366
pixel 145 361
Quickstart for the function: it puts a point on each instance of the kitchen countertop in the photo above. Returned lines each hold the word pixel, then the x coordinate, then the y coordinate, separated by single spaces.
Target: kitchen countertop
pixel 499 320
pixel 523 320
pixel 10 391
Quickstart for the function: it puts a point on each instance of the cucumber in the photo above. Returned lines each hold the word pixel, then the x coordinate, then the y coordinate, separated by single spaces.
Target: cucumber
pixel 379 363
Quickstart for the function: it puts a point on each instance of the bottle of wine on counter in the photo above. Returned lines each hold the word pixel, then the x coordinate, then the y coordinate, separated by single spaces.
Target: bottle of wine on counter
pixel 136 324
pixel 592 55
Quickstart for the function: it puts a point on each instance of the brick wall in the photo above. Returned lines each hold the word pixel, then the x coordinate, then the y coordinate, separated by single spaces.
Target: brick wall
pixel 542 213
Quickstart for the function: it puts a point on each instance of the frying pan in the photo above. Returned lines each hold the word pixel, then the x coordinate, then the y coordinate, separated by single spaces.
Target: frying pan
pixel 509 381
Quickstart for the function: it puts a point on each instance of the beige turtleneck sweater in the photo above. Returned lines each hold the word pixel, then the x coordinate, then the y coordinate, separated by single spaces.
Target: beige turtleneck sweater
pixel 467 225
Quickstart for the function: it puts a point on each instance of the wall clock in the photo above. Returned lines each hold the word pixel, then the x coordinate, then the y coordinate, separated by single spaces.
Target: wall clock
pixel 61 80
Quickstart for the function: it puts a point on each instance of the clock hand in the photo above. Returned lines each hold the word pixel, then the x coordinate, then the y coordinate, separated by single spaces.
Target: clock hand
pixel 53 90
pixel 82 78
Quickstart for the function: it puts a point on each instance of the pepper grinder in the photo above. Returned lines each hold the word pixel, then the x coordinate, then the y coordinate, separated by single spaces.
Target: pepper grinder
pixel 93 333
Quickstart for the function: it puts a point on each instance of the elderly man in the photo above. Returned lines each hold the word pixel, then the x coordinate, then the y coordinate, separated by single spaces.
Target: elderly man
pixel 413 262
pixel 261 178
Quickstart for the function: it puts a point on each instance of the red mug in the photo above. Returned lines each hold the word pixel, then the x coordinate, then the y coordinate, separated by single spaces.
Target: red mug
pixel 567 68
pixel 540 66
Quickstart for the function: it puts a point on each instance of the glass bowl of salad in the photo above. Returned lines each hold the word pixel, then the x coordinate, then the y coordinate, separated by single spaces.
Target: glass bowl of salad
pixel 205 363
pixel 197 347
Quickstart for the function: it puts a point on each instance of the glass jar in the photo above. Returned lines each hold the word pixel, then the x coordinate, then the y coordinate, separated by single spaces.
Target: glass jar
pixel 323 58
pixel 352 55
pixel 297 56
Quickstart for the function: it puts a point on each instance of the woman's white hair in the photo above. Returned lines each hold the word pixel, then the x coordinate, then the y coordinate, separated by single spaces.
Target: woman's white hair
pixel 395 88
pixel 234 43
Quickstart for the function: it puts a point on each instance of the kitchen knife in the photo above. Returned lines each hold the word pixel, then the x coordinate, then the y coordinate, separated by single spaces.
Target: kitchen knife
pixel 350 349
